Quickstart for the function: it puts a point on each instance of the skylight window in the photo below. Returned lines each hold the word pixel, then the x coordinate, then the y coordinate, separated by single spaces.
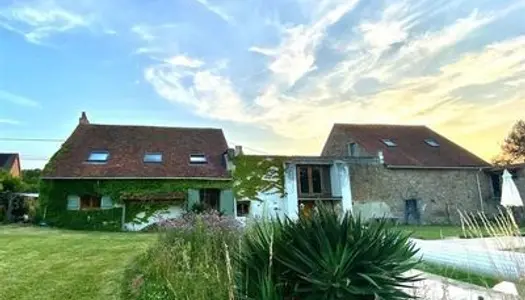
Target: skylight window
pixel 198 159
pixel 389 142
pixel 153 157
pixel 98 156
pixel 432 142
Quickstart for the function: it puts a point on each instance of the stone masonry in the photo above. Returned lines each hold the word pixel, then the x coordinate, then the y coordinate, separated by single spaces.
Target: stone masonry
pixel 440 193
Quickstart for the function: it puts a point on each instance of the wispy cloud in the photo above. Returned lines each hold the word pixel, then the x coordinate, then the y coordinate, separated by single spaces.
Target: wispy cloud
pixel 185 61
pixel 9 121
pixel 17 99
pixel 219 11
pixel 39 19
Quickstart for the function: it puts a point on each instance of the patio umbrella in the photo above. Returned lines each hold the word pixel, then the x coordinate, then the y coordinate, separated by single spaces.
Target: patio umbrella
pixel 510 196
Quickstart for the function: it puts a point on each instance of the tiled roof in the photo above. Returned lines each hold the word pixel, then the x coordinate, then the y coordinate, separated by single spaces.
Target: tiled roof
pixel 411 150
pixel 7 160
pixel 128 144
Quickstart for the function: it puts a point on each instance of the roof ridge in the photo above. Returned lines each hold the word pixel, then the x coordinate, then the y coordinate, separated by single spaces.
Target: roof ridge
pixel 380 124
pixel 153 126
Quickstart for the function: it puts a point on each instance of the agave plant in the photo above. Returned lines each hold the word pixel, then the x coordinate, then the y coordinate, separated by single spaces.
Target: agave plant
pixel 326 256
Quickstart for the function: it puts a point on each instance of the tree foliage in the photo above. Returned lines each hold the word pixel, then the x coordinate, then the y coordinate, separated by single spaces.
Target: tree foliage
pixel 513 147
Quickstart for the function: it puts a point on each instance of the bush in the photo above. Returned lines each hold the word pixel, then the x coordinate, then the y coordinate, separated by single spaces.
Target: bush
pixel 325 257
pixel 190 261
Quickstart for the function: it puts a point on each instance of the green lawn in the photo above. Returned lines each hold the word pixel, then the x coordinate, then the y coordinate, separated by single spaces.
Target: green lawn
pixel 431 232
pixel 460 275
pixel 41 263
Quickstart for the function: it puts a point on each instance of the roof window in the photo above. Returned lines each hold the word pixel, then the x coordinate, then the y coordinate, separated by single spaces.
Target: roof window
pixel 432 142
pixel 198 159
pixel 98 156
pixel 389 142
pixel 153 157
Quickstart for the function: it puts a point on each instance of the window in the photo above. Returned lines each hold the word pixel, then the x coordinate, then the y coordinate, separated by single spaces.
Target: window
pixel 98 156
pixel 210 198
pixel 432 142
pixel 352 149
pixel 73 202
pixel 90 202
pixel 153 157
pixel 389 142
pixel 243 208
pixel 198 159
pixel 314 180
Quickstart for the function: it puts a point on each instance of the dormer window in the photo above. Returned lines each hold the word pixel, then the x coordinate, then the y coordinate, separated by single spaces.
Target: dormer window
pixel 198 159
pixel 432 142
pixel 389 142
pixel 98 156
pixel 153 157
pixel 352 149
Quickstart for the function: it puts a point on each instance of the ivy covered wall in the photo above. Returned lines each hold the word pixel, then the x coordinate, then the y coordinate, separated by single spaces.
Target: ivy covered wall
pixel 53 200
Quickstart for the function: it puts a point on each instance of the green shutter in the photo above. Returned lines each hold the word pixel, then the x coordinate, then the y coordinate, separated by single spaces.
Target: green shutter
pixel 106 203
pixel 73 202
pixel 193 198
pixel 227 203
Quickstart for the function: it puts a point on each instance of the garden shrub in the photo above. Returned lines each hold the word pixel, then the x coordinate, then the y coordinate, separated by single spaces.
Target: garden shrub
pixel 326 256
pixel 189 261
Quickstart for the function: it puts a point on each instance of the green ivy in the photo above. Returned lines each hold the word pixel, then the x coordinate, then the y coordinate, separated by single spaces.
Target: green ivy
pixel 53 200
pixel 258 174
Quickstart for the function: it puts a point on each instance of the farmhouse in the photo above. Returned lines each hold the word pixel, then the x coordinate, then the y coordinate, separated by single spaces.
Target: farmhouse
pixel 112 177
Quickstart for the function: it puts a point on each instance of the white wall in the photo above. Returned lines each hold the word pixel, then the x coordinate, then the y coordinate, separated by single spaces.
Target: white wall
pixel 335 181
pixel 346 192
pixel 270 206
pixel 171 212
pixel 291 204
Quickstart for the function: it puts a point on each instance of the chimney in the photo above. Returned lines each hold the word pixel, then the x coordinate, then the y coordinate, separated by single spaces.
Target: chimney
pixel 238 150
pixel 83 119
pixel 381 157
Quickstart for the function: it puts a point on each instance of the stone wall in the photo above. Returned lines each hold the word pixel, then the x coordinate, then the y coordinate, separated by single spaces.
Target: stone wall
pixel 439 193
pixel 520 182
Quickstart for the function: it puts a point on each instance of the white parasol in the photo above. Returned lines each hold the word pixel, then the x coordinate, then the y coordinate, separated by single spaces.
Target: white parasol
pixel 510 196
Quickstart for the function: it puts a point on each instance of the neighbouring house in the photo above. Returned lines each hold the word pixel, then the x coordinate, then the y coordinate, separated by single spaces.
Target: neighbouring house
pixel 112 177
pixel 421 177
pixel 10 162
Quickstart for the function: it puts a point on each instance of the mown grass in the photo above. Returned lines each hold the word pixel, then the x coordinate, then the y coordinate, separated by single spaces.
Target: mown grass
pixel 460 275
pixel 42 263
pixel 431 232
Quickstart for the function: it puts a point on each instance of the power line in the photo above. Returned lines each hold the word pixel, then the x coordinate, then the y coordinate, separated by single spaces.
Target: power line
pixel 31 140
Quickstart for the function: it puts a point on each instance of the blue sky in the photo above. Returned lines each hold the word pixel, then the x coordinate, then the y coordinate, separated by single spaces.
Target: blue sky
pixel 274 74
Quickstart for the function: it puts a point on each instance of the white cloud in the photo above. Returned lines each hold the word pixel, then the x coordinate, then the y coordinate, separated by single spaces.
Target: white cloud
pixel 295 56
pixel 144 32
pixel 9 121
pixel 216 10
pixel 17 99
pixel 38 20
pixel 185 61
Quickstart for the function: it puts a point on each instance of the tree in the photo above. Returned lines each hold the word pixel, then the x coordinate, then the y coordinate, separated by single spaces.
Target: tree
pixel 31 180
pixel 513 147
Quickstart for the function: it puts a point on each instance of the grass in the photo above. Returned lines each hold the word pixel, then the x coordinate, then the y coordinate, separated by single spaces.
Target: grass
pixel 43 263
pixel 431 232
pixel 460 275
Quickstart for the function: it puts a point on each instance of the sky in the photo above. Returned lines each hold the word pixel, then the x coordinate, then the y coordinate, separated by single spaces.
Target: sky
pixel 274 74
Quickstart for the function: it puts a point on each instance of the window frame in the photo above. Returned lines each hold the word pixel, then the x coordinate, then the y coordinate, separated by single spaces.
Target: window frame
pixel 206 194
pixel 432 142
pixel 352 149
pixel 98 161
pixel 92 199
pixel 152 154
pixel 389 142
pixel 202 159
pixel 243 203
pixel 325 186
